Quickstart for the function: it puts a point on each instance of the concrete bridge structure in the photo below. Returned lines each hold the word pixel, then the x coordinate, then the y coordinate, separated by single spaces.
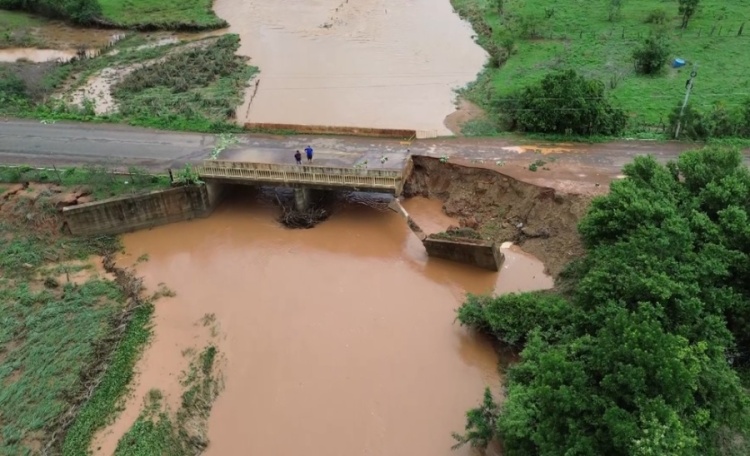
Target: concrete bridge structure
pixel 383 177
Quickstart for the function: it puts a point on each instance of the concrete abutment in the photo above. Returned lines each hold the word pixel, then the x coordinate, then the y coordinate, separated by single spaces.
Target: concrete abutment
pixel 302 197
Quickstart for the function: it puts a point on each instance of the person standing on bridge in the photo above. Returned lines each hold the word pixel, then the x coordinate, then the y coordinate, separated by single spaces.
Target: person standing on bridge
pixel 298 157
pixel 309 152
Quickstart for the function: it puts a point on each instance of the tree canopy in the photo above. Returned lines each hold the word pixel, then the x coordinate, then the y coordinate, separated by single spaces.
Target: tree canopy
pixel 639 352
pixel 564 102
pixel 79 11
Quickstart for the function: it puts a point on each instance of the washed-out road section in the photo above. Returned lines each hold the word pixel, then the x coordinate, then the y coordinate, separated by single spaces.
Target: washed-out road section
pixel 568 166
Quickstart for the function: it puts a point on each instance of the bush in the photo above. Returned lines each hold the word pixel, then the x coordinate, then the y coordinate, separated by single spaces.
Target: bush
pixel 722 122
pixel 79 11
pixel 745 119
pixel 564 103
pixel 692 125
pixel 652 54
pixel 480 424
pixel 654 326
pixel 12 87
pixel 657 16
pixel 511 318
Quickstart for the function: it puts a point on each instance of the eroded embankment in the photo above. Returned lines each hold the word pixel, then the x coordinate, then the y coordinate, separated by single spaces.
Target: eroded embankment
pixel 541 220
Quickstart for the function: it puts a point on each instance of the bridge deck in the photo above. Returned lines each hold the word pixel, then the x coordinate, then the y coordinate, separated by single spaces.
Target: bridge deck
pixel 382 180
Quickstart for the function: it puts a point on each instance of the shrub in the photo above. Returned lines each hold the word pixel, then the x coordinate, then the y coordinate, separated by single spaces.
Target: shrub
pixel 745 118
pixel 657 16
pixel 12 87
pixel 79 11
pixel 480 424
pixel 692 125
pixel 511 318
pixel 722 122
pixel 564 103
pixel 651 55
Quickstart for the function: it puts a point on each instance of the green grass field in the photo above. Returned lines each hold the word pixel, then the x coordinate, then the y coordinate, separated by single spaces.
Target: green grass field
pixel 50 327
pixel 162 14
pixel 64 327
pixel 579 35
pixel 194 87
pixel 17 29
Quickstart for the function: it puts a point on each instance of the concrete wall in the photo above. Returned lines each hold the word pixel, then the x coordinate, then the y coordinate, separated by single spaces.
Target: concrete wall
pixel 332 130
pixel 482 254
pixel 134 212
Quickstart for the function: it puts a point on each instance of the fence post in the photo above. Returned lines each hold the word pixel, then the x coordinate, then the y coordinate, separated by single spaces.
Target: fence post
pixel 739 32
pixel 59 178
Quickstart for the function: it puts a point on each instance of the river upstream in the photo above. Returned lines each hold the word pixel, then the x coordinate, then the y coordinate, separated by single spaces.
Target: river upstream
pixel 339 340
pixel 362 63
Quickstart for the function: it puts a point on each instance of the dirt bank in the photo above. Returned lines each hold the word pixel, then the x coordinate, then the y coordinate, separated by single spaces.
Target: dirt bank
pixel 539 219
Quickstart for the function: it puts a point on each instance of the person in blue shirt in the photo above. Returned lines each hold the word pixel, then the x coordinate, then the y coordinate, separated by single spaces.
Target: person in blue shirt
pixel 309 152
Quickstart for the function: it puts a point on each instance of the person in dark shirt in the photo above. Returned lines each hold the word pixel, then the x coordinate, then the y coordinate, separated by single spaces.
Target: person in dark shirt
pixel 298 157
pixel 309 152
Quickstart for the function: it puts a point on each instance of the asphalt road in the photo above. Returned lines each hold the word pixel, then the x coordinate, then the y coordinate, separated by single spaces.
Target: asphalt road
pixel 63 144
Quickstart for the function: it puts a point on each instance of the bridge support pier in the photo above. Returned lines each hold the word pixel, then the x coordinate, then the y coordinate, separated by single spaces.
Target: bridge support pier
pixel 302 198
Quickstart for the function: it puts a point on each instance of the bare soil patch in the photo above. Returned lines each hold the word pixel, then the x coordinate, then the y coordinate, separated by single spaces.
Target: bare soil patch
pixel 465 111
pixel 541 220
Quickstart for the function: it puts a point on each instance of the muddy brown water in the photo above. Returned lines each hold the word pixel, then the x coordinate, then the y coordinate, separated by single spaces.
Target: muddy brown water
pixel 339 340
pixel 35 55
pixel 363 63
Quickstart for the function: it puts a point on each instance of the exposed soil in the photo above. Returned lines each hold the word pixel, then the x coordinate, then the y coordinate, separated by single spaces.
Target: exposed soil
pixel 97 89
pixel 541 220
pixel 465 111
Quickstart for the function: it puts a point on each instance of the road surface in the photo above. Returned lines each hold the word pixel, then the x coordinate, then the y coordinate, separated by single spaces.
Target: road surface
pixel 569 166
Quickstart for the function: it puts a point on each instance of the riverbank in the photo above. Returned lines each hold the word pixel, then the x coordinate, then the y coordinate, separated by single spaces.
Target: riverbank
pixel 65 377
pixel 529 39
pixel 143 15
pixel 167 83
pixel 179 378
pixel 50 362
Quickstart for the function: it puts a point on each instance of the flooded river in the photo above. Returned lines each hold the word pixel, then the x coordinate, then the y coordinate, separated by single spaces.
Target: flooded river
pixel 339 340
pixel 35 55
pixel 365 63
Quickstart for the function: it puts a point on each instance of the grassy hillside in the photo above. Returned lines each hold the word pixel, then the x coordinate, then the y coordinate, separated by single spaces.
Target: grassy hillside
pixel 161 14
pixel 131 14
pixel 17 29
pixel 575 34
pixel 192 86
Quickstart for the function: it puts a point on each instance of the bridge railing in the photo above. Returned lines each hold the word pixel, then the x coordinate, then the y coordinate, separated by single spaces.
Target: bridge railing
pixel 303 174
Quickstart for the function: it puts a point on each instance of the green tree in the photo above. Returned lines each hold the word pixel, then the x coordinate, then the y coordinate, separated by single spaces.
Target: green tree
pixel 563 102
pixel 745 118
pixel 687 8
pixel 499 6
pixel 692 125
pixel 656 319
pixel 79 11
pixel 481 424
pixel 652 54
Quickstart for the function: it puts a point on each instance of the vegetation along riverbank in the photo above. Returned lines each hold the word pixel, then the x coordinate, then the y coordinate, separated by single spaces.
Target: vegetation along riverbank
pixel 622 54
pixel 187 15
pixel 642 348
pixel 163 84
pixel 75 323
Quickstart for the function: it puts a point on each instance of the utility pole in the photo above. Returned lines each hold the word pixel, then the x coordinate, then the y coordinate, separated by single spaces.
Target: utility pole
pixel 688 88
